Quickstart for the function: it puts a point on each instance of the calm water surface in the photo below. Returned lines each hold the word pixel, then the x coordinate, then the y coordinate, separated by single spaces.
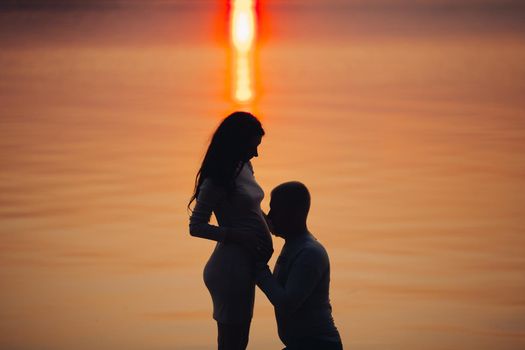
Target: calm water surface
pixel 409 131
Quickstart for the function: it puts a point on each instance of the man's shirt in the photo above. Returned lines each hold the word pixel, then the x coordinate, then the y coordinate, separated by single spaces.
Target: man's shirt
pixel 299 291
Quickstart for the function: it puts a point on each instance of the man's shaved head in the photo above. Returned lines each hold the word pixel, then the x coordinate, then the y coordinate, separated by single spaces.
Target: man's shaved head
pixel 289 206
pixel 293 197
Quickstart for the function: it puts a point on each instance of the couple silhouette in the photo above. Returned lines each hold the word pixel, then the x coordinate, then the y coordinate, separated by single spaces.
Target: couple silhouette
pixel 298 288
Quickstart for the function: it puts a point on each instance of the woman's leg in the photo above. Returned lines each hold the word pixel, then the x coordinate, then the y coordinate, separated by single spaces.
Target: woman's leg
pixel 233 336
pixel 314 344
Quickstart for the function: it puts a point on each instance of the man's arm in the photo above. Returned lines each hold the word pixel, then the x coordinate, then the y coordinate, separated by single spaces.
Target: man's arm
pixel 304 276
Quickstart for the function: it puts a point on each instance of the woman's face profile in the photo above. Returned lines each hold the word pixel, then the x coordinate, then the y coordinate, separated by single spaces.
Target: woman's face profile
pixel 251 149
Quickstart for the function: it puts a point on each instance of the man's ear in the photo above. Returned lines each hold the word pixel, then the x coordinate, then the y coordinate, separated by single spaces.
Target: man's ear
pixel 295 216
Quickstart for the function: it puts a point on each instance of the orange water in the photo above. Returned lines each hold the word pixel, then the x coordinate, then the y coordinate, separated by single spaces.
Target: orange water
pixel 409 131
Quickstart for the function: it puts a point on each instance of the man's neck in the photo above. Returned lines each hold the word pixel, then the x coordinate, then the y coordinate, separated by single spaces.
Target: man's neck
pixel 296 234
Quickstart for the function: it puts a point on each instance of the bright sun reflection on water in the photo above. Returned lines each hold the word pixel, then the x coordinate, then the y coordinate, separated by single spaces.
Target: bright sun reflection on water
pixel 242 34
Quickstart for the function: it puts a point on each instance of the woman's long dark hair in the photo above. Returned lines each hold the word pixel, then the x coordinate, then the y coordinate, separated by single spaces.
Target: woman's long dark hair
pixel 224 157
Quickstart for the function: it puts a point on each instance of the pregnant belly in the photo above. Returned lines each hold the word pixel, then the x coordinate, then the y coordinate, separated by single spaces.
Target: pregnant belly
pixel 258 227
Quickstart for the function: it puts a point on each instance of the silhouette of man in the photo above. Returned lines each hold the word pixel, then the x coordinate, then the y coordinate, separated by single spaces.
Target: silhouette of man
pixel 299 285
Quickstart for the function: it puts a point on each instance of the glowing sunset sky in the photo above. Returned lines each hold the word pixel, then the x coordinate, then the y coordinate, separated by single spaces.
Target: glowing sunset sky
pixel 404 118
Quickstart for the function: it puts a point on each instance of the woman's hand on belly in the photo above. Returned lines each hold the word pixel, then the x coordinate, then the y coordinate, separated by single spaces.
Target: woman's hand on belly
pixel 256 245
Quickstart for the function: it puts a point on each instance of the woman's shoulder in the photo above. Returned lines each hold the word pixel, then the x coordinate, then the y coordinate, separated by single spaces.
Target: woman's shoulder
pixel 210 185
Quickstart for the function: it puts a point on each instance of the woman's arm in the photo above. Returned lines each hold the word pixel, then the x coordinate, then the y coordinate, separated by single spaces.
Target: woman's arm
pixel 208 199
